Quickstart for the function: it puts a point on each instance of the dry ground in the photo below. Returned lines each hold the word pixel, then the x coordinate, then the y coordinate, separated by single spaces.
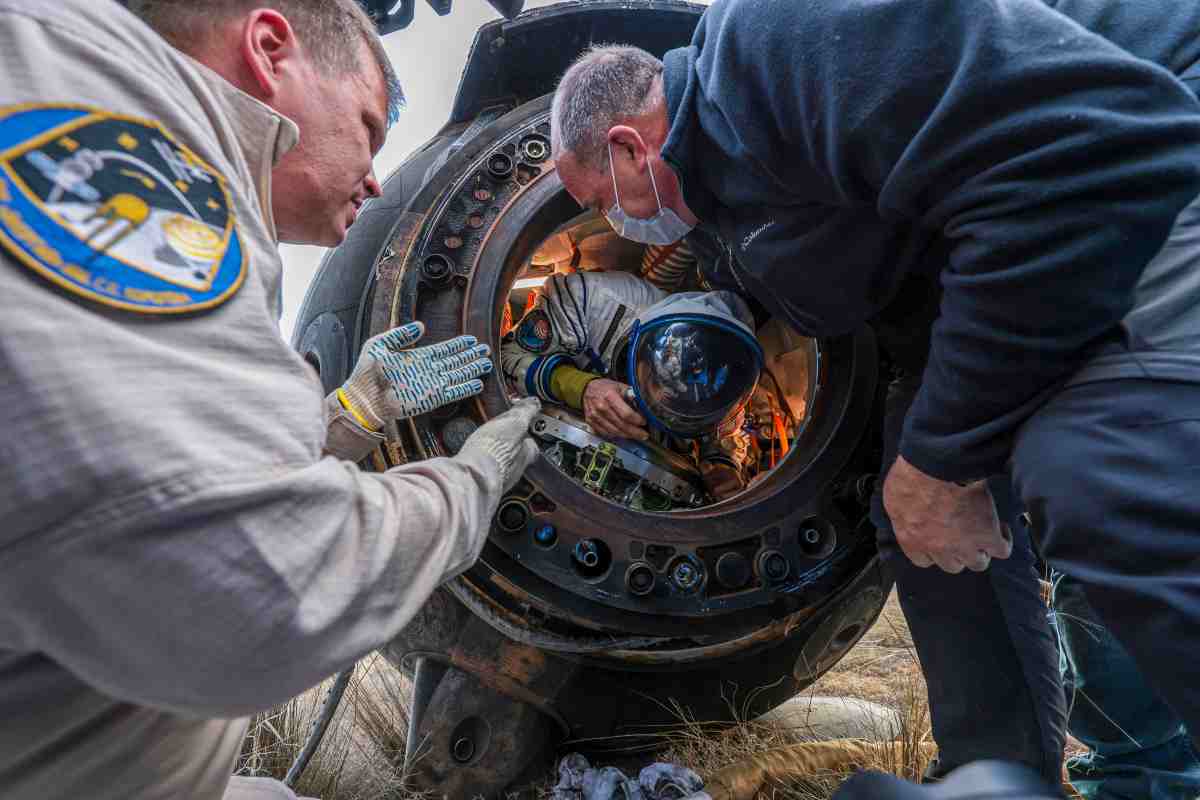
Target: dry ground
pixel 360 758
pixel 882 668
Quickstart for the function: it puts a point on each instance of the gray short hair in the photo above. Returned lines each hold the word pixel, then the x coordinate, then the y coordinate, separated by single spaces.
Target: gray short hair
pixel 329 29
pixel 605 86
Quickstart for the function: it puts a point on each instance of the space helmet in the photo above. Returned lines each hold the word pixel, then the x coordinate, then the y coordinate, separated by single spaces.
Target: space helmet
pixel 693 362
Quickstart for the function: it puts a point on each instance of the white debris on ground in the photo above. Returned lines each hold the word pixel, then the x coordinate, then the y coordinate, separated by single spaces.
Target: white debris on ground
pixel 578 780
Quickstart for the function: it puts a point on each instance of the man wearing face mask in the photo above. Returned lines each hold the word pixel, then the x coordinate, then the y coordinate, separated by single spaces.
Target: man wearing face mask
pixel 184 537
pixel 994 200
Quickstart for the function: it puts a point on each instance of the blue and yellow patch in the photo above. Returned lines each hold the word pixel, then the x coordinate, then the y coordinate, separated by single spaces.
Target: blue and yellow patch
pixel 112 208
pixel 534 333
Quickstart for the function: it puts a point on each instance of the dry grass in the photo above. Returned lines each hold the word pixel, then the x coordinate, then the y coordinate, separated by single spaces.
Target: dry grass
pixel 882 668
pixel 362 755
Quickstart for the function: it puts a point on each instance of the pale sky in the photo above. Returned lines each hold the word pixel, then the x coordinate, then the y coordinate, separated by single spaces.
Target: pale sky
pixel 429 57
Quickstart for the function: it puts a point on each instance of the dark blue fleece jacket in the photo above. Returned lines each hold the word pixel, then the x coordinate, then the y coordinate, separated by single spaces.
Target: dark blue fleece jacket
pixel 840 147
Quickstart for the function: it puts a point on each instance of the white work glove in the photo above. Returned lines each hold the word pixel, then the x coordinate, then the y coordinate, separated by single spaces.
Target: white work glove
pixel 390 382
pixel 506 440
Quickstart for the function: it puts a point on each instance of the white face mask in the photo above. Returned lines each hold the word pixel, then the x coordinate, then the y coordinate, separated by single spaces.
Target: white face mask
pixel 665 227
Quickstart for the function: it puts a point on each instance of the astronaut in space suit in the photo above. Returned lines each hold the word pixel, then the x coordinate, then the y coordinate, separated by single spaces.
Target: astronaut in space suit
pixel 641 363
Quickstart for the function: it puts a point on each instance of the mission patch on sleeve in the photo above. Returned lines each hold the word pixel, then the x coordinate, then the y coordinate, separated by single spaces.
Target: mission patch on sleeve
pixel 534 333
pixel 113 209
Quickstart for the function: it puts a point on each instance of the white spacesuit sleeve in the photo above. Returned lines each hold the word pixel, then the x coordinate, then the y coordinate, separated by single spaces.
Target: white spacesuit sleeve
pixel 553 332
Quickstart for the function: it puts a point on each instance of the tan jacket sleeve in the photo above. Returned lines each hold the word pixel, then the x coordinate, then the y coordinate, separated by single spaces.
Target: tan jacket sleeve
pixel 170 532
pixel 344 437
pixel 242 590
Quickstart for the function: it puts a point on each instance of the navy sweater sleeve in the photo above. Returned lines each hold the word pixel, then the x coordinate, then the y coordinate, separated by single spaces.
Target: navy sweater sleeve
pixel 1053 161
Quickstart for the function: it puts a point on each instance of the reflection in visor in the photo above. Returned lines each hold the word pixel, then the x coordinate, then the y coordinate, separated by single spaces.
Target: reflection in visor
pixel 681 368
pixel 692 374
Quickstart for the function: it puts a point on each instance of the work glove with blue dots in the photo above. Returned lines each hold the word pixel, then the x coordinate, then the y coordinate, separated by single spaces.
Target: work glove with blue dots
pixel 507 441
pixel 394 380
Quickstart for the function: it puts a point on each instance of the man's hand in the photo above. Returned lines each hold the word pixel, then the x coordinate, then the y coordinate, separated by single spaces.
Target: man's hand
pixel 722 479
pixel 506 440
pixel 393 382
pixel 609 414
pixel 943 523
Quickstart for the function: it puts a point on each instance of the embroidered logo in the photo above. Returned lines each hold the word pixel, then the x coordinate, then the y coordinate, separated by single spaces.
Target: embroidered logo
pixel 112 208
pixel 534 333
pixel 752 235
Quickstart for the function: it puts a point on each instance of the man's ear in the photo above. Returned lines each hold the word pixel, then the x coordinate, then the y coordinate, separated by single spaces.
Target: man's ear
pixel 269 48
pixel 626 143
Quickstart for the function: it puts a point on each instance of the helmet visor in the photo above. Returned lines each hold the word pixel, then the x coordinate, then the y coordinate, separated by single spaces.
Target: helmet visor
pixel 691 374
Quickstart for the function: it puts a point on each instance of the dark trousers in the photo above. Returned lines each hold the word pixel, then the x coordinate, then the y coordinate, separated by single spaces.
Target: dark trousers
pixel 1110 474
pixel 984 640
pixel 1138 749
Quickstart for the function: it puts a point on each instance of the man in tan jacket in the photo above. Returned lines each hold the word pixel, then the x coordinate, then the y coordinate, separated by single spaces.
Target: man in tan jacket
pixel 178 546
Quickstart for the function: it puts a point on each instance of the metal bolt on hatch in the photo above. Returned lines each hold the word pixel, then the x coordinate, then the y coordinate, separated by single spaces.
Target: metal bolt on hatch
pixel 546 535
pixel 686 574
pixel 587 553
pixel 773 566
pixel 639 579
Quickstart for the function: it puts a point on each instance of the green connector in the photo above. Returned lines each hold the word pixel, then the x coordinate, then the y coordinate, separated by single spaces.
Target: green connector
pixel 595 472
